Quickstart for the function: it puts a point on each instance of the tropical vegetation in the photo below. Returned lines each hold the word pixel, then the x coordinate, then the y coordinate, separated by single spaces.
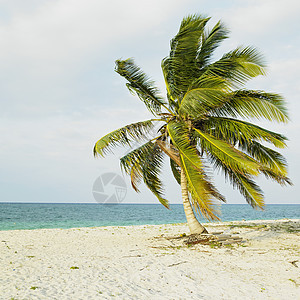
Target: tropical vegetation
pixel 205 123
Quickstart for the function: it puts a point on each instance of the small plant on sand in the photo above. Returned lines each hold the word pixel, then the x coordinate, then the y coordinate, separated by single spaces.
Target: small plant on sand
pixel 33 287
pixel 202 123
pixel 189 276
pixel 74 268
pixel 253 226
pixel 294 281
pixel 214 245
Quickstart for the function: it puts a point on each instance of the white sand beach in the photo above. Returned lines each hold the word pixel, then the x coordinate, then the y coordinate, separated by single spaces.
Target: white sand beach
pixel 150 262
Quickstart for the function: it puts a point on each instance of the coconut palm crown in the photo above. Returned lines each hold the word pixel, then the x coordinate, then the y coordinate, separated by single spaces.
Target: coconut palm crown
pixel 203 122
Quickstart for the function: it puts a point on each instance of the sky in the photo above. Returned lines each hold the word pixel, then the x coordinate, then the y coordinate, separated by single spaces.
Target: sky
pixel 60 93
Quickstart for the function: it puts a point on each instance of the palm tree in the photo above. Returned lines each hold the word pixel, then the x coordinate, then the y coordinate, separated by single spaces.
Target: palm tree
pixel 202 123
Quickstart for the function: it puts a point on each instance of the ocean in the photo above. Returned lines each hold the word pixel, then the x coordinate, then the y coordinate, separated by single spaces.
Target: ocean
pixel 68 215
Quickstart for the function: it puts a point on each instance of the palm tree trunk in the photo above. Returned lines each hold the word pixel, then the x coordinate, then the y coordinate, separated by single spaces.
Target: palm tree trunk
pixel 194 225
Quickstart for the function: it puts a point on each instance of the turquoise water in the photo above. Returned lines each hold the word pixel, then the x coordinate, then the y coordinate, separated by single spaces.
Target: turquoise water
pixel 55 215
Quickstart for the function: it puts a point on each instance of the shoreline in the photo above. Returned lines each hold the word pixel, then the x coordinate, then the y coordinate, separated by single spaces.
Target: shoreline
pixel 151 262
pixel 216 223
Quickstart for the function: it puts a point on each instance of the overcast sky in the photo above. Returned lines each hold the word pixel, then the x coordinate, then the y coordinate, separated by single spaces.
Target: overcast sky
pixel 60 94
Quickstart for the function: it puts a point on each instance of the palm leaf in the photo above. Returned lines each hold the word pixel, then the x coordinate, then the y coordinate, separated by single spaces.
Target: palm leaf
pixel 175 170
pixel 273 164
pixel 180 137
pixel 203 94
pixel 246 186
pixel 132 162
pixel 209 42
pixel 123 136
pixel 231 157
pixel 238 66
pixel 201 197
pixel 165 66
pixel 253 104
pixel 237 131
pixel 179 67
pixel 278 177
pixel 145 163
pixel 249 189
pixel 150 170
pixel 139 83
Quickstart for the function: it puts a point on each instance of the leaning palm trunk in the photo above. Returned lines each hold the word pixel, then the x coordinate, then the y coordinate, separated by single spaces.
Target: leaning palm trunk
pixel 194 225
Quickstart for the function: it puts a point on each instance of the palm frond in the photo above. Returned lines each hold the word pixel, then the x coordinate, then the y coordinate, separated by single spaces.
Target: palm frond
pixel 144 163
pixel 237 131
pixel 279 178
pixel 175 170
pixel 123 136
pixel 139 83
pixel 209 42
pixel 254 104
pixel 180 137
pixel 179 67
pixel 150 170
pixel 201 198
pixel 273 164
pixel 203 95
pixel 231 157
pixel 249 189
pixel 243 182
pixel 131 163
pixel 238 66
pixel 165 66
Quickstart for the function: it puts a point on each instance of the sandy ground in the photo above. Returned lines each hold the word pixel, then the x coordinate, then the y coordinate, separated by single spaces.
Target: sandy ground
pixel 149 262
